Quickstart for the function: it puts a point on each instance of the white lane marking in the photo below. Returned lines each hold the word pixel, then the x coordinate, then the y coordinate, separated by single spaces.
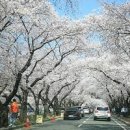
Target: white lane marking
pixel 89 117
pixel 80 125
pixel 85 121
pixel 119 124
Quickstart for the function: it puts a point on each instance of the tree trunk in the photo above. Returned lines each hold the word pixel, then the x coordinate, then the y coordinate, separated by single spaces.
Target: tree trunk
pixel 46 110
pixel 37 107
pixel 3 115
pixel 23 111
pixel 56 107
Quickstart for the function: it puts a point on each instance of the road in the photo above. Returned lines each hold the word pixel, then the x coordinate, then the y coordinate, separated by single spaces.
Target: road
pixel 86 123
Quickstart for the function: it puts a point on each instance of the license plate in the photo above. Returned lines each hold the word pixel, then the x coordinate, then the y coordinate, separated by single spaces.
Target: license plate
pixel 71 116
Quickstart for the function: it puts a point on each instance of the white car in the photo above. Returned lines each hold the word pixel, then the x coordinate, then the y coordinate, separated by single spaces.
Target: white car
pixel 86 110
pixel 102 112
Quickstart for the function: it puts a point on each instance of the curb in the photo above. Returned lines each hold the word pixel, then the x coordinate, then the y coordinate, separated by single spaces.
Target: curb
pixel 126 122
pixel 21 126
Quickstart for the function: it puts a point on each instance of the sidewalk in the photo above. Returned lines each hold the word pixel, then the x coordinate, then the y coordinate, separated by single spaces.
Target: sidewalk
pixel 33 123
pixel 126 120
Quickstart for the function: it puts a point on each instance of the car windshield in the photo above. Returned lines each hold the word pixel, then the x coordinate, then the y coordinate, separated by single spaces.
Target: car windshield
pixel 102 108
pixel 71 109
pixel 85 108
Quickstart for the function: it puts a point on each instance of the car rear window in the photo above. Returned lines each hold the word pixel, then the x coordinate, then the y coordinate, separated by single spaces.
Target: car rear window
pixel 72 109
pixel 102 108
pixel 85 108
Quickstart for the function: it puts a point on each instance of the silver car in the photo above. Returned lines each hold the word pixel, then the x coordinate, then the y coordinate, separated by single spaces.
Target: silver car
pixel 102 112
pixel 86 110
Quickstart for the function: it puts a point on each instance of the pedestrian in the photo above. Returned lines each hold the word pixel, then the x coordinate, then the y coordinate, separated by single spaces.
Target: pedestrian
pixel 14 110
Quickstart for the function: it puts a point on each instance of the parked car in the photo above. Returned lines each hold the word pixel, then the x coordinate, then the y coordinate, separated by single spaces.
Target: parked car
pixel 86 110
pixel 102 112
pixel 72 113
pixel 82 112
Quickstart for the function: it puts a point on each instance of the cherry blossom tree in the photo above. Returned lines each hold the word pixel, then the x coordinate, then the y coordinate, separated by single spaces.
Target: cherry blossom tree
pixel 113 27
pixel 34 31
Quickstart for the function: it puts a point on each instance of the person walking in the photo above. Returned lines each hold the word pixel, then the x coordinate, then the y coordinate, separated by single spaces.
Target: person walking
pixel 14 110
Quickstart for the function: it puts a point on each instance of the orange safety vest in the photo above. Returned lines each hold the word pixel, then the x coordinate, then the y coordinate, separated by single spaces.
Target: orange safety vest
pixel 14 107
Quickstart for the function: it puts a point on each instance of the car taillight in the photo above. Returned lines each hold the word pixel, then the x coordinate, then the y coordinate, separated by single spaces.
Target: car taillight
pixel 96 111
pixel 108 112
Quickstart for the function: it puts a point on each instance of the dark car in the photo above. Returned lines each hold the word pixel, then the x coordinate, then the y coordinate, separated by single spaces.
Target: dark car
pixel 80 109
pixel 72 113
pixel 82 112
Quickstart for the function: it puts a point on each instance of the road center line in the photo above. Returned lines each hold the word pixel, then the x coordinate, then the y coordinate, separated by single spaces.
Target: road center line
pixel 119 124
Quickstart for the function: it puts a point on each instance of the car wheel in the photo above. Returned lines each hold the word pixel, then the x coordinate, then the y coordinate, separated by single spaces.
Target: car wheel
pixel 95 118
pixel 65 118
pixel 82 115
pixel 109 119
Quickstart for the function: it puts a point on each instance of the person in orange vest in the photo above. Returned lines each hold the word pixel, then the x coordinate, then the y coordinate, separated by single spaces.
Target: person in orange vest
pixel 14 110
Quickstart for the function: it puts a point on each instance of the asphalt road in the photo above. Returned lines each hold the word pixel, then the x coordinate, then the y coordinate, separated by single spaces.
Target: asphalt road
pixel 86 123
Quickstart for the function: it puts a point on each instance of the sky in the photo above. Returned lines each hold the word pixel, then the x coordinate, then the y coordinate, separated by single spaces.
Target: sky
pixel 83 8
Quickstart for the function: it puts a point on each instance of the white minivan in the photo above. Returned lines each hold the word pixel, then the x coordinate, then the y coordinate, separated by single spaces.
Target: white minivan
pixel 102 112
